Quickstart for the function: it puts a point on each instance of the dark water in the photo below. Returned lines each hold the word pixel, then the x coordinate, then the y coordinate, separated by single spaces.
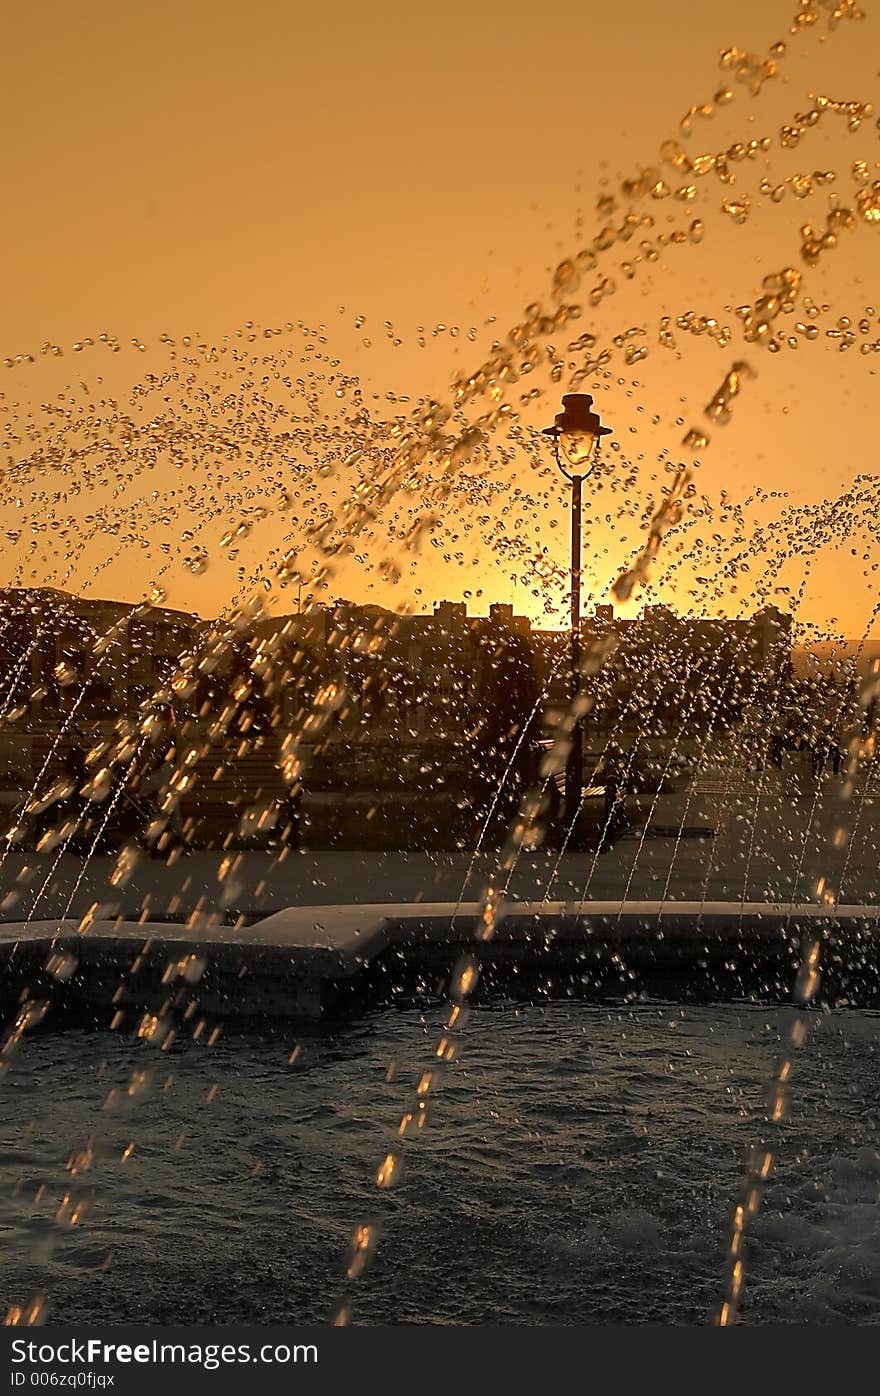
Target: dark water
pixel 579 1166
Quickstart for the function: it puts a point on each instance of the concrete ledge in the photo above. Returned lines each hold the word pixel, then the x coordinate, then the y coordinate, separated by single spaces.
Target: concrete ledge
pixel 308 961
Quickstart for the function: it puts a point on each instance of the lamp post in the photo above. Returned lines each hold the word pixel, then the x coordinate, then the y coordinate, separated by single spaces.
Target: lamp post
pixel 576 433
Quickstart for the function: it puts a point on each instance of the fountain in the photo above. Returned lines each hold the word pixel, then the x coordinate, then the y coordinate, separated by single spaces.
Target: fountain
pixel 166 874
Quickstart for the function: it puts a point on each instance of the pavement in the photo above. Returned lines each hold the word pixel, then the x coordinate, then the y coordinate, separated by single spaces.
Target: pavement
pixel 741 835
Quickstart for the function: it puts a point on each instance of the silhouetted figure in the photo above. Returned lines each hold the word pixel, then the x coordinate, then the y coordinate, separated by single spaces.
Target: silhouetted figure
pixel 777 749
pixel 75 766
pixel 67 812
pixel 75 769
pixel 615 782
pixel 291 818
pixel 506 744
pixel 255 693
pixel 153 787
pixel 820 750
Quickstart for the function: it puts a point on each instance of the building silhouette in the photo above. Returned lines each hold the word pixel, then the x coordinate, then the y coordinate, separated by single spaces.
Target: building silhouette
pixel 412 693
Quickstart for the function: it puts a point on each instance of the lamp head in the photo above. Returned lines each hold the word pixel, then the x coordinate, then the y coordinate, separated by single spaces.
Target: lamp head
pixel 577 430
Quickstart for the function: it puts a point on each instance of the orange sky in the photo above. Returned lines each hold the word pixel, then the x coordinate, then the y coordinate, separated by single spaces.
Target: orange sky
pixel 184 169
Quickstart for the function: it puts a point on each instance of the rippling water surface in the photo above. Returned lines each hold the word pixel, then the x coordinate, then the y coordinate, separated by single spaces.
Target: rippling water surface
pixel 579 1166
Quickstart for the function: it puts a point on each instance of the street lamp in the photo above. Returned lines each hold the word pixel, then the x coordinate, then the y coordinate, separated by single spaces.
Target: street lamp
pixel 576 433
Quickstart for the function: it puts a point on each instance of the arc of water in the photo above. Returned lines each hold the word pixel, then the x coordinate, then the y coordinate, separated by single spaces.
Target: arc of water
pixel 807 979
